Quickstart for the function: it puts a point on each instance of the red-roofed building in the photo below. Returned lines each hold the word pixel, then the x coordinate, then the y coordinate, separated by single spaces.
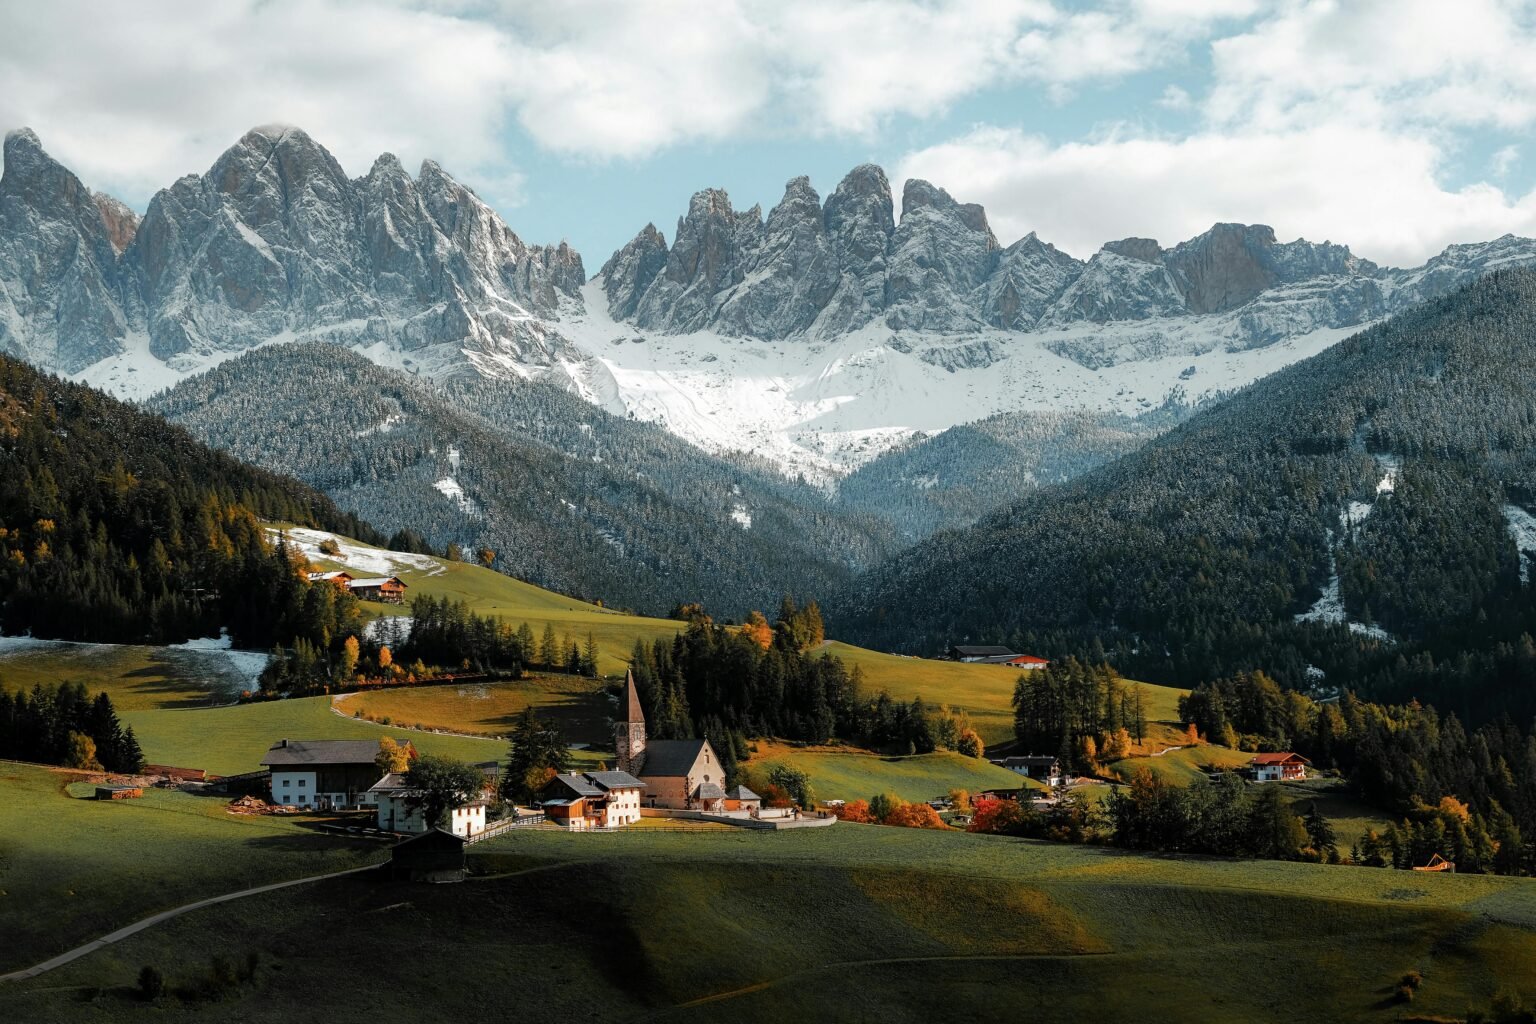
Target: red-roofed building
pixel 1284 767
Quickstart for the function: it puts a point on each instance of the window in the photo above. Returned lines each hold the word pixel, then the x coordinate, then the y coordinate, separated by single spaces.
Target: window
pixel 286 782
pixel 303 783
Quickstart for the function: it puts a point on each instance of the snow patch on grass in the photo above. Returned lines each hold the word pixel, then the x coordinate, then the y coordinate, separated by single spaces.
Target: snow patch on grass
pixel 355 557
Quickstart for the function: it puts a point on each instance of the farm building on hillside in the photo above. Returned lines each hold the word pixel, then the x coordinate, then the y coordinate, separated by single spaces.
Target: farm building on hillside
pixel 323 774
pixel 678 774
pixel 397 812
pixel 1040 767
pixel 384 589
pixel 592 799
pixel 962 653
pixel 340 578
pixel 995 656
pixel 1436 863
pixel 1285 767
pixel 435 856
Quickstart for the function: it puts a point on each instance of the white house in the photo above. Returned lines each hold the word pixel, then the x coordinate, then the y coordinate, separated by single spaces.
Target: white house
pixel 1284 767
pixel 395 813
pixel 1040 767
pixel 592 800
pixel 323 774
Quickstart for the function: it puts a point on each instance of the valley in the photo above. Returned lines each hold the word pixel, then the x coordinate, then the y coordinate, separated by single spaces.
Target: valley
pixel 848 605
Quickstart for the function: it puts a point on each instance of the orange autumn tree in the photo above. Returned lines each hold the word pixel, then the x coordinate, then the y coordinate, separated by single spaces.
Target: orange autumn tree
pixel 997 817
pixel 756 626
pixel 857 810
pixel 914 816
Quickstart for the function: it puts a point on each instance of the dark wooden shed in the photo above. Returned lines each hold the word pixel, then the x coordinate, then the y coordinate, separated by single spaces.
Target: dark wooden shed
pixel 435 856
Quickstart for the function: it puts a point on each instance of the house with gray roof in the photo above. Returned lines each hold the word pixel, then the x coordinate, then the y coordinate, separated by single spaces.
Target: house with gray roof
pixel 323 774
pixel 592 799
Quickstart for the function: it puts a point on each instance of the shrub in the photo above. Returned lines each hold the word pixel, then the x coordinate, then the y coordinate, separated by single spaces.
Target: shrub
pixel 151 984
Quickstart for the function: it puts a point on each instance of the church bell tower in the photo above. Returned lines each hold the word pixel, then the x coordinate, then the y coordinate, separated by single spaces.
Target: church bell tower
pixel 629 735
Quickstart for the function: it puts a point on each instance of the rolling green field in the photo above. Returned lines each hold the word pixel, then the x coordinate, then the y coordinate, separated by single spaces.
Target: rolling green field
pixel 231 740
pixel 851 923
pixel 72 870
pixel 985 692
pixel 856 775
pixel 1182 766
pixel 580 707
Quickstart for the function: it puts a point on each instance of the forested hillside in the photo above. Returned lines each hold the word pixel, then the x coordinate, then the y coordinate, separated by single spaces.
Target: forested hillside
pixel 955 477
pixel 115 526
pixel 565 495
pixel 1348 522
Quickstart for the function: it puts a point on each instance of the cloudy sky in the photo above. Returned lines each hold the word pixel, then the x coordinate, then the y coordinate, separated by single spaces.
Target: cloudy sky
pixel 1396 126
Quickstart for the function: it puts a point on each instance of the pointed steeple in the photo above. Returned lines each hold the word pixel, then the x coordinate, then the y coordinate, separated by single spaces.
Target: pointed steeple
pixel 633 715
pixel 629 735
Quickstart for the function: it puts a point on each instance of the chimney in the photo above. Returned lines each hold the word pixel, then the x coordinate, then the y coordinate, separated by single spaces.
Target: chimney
pixel 284 743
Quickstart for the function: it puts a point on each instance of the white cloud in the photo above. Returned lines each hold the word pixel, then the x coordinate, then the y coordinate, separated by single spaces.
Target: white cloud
pixel 1504 161
pixel 1175 98
pixel 1373 190
pixel 1424 62
pixel 134 97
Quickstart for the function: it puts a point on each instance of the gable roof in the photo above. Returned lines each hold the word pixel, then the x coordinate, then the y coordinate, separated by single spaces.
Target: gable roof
pixel 741 793
pixel 671 758
pixel 576 785
pixel 335 574
pixel 287 753
pixel 614 780
pixel 710 791
pixel 1032 761
pixel 375 581
pixel 1285 758
pixel 983 652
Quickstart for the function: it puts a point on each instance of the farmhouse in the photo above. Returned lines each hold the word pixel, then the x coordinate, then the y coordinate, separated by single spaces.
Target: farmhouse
pixel 996 656
pixel 384 589
pixel 338 578
pixel 961 653
pixel 323 774
pixel 592 799
pixel 1279 767
pixel 397 812
pixel 1040 767
pixel 678 774
pixel 1436 863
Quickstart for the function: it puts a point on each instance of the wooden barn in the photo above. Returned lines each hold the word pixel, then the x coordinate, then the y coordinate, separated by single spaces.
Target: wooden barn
pixel 435 856
pixel 384 589
pixel 1436 863
pixel 118 792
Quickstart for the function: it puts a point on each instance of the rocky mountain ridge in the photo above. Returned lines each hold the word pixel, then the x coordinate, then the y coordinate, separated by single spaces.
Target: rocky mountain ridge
pixel 818 271
pixel 274 239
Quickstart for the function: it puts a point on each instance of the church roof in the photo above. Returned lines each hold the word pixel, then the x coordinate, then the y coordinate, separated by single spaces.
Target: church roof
pixel 671 758
pixel 710 791
pixel 632 710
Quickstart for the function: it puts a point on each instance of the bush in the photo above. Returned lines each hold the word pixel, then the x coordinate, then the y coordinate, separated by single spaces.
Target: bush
pixel 151 984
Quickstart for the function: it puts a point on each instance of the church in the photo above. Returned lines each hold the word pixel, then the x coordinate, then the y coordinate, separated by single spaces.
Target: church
pixel 678 774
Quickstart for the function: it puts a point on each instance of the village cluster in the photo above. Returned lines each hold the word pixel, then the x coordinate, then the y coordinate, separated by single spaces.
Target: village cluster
pixel 681 778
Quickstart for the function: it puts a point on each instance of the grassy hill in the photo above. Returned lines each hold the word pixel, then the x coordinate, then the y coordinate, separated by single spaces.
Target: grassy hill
pixel 858 775
pixel 852 923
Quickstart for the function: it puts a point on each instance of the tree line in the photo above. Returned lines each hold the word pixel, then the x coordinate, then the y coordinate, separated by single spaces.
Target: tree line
pixel 65 726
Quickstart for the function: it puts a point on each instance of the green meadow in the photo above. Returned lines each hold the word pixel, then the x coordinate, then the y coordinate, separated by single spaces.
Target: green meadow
pixel 850 923
pixel 75 869
pixel 858 775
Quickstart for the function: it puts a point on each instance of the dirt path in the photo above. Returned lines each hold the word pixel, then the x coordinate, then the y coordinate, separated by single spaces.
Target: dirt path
pixel 166 915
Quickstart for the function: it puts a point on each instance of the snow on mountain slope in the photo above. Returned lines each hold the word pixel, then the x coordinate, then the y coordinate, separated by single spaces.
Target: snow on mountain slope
pixel 824 408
